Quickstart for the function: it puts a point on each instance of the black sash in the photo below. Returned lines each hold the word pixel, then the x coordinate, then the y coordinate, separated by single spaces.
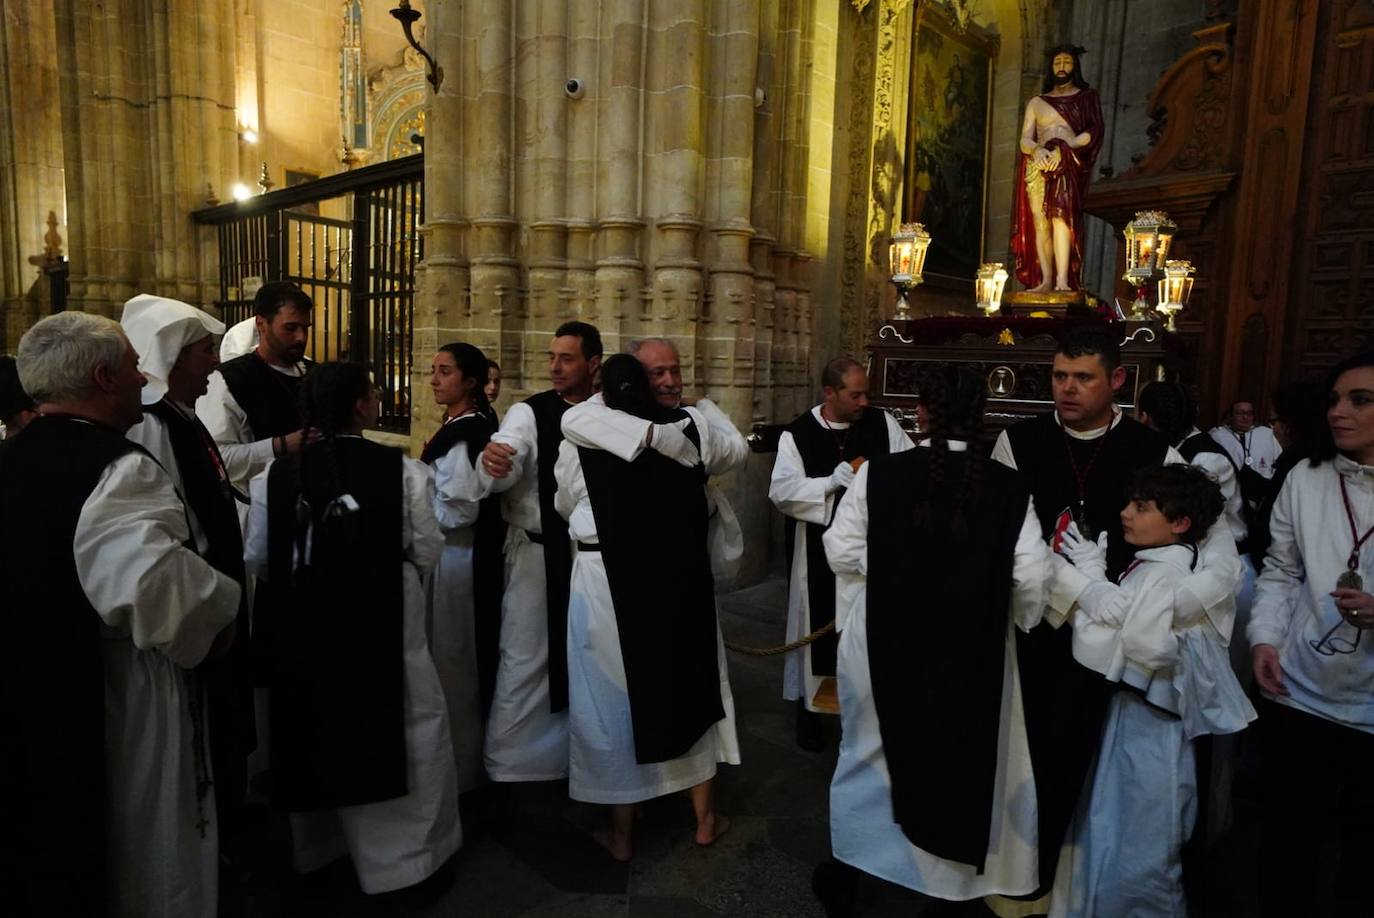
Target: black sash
pixel 548 408
pixel 647 511
pixel 338 675
pixel 820 452
pixel 488 543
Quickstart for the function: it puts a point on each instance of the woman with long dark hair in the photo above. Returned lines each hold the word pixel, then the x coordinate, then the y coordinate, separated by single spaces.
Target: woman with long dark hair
pixel 1314 665
pixel 933 789
pixel 649 705
pixel 465 586
pixel 361 756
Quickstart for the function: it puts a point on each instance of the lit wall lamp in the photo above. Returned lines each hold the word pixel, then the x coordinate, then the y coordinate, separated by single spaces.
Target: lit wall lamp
pixel 241 192
pixel 992 277
pixel 906 259
pixel 1174 290
pixel 248 135
pixel 407 17
pixel 1148 238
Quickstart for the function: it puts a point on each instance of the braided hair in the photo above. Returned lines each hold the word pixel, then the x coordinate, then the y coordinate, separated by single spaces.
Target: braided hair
pixel 329 399
pixel 473 364
pixel 1170 408
pixel 953 398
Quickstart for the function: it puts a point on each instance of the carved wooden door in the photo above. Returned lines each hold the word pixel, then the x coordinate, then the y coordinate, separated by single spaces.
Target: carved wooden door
pixel 1331 305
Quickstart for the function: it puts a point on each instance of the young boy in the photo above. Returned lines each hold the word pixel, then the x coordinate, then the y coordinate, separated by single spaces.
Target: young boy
pixel 1123 854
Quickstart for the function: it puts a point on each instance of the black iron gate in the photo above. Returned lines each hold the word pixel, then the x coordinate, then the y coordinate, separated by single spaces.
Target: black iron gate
pixel 351 241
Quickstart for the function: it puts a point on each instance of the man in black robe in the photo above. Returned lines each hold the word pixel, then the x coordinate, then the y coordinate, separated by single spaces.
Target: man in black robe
pixel 252 405
pixel 818 454
pixel 1079 462
pixel 527 729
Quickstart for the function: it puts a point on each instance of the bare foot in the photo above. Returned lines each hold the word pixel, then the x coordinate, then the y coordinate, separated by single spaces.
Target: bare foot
pixel 712 828
pixel 1063 286
pixel 1042 287
pixel 616 845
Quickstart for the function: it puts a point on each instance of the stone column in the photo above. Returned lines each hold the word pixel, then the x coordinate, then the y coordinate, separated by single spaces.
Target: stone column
pixel 729 343
pixel 584 48
pixel 31 156
pixel 497 303
pixel 443 302
pixel 619 144
pixel 541 163
pixel 673 167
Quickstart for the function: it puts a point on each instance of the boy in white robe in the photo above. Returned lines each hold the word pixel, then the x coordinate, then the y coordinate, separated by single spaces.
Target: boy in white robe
pixel 1123 854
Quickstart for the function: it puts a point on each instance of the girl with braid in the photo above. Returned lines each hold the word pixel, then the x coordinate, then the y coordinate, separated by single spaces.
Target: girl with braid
pixel 344 532
pixel 934 668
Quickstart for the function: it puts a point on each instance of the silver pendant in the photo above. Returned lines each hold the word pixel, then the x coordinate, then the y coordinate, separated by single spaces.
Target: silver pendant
pixel 1248 460
pixel 1350 580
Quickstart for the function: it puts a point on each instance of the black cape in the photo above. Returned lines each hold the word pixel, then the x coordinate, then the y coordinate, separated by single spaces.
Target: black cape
pixel 488 542
pixel 648 510
pixel 821 450
pixel 548 408
pixel 338 676
pixel 1065 703
pixel 937 607
pixel 52 858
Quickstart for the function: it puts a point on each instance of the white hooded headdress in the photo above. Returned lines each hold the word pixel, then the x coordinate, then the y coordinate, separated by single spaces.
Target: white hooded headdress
pixel 159 328
pixel 239 340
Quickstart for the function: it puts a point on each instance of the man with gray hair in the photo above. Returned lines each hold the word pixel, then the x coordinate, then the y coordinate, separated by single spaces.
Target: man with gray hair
pixel 118 740
pixel 593 425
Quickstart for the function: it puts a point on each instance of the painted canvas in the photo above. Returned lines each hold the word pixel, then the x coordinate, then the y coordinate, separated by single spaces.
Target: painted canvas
pixel 947 140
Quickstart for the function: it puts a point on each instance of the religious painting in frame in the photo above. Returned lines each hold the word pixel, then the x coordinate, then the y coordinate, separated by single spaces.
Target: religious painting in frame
pixel 949 105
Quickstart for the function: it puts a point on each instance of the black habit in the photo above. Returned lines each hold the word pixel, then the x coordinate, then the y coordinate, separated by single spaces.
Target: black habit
pixel 338 676
pixel 937 607
pixel 648 510
pixel 821 449
pixel 53 857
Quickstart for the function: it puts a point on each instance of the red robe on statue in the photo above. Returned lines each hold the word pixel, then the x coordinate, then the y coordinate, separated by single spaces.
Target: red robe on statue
pixel 1065 187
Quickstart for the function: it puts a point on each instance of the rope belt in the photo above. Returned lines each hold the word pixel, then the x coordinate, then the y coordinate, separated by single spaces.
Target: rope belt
pixel 784 648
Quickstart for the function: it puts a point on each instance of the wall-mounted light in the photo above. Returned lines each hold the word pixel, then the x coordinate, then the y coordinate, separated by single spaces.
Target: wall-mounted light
pixel 407 17
pixel 248 135
pixel 241 192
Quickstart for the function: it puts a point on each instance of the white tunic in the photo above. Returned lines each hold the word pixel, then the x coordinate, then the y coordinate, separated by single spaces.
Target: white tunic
pixel 526 741
pixel 1123 852
pixel 161 606
pixel 862 830
pixel 806 501
pixel 1294 608
pixel 1257 447
pixel 603 766
pixel 394 843
pixel 243 453
pixel 452 618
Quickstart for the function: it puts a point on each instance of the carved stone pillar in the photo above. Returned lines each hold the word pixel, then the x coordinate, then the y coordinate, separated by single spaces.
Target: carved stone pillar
pixel 619 272
pixel 443 302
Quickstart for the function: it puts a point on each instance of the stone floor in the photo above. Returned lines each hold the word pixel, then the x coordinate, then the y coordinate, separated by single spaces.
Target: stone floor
pixel 538 860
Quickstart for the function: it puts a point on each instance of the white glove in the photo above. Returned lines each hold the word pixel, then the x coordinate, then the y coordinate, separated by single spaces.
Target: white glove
pixel 1088 557
pixel 842 477
pixel 1103 603
pixel 670 441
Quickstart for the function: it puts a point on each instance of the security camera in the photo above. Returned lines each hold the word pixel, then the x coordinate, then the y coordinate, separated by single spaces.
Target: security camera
pixel 575 88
